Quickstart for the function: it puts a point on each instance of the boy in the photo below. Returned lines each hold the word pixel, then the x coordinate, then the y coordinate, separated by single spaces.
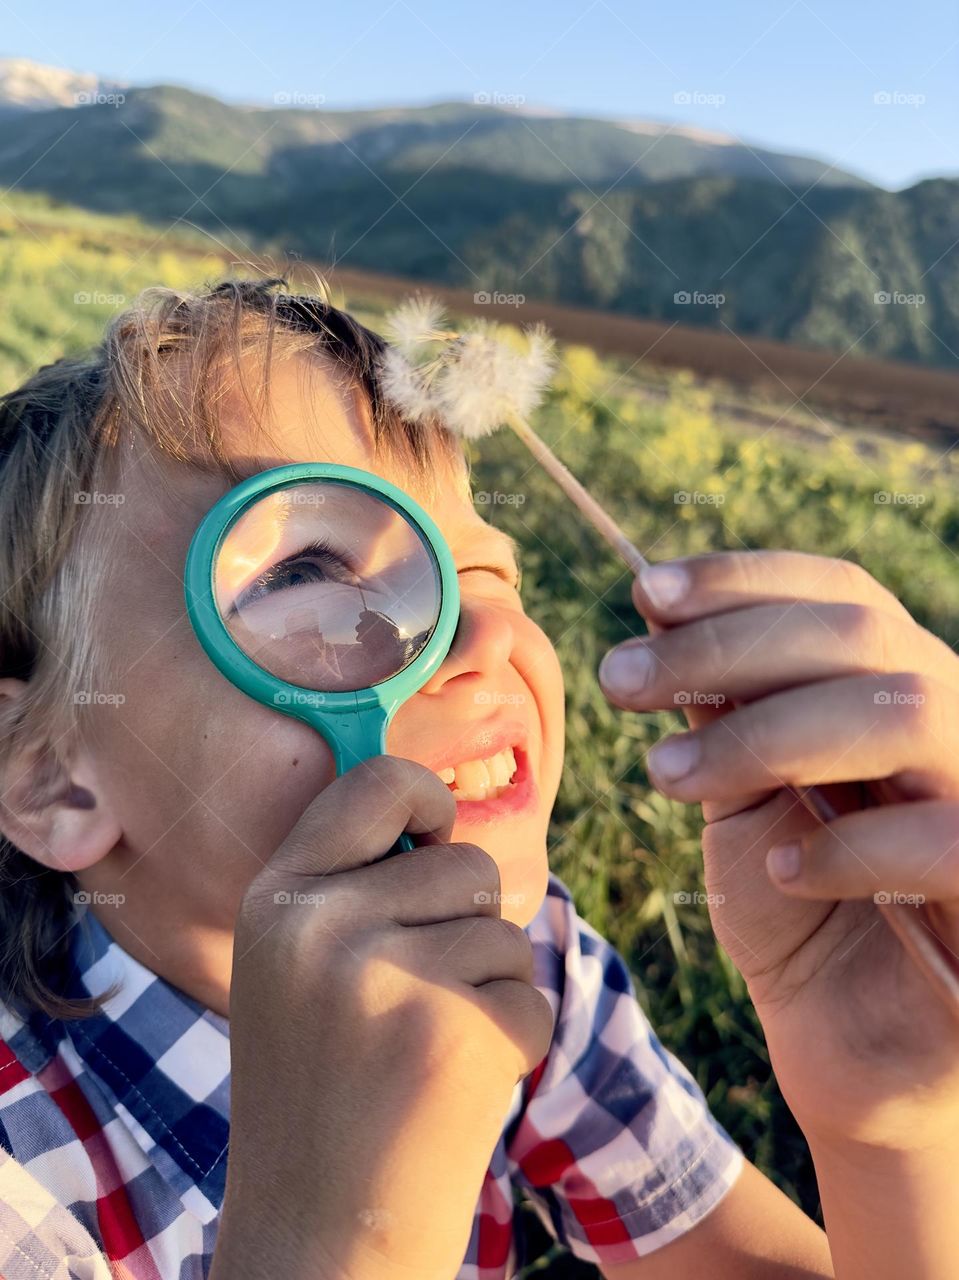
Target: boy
pixel 272 1088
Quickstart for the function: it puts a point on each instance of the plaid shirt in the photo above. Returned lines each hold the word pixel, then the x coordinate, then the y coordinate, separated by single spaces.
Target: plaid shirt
pixel 114 1130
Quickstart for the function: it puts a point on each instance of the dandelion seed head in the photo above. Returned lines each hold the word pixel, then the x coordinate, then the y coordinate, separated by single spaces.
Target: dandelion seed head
pixel 404 384
pixel 415 322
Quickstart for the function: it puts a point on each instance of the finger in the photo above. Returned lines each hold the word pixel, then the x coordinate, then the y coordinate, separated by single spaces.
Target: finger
pixel 891 853
pixel 677 590
pixel 472 951
pixel 437 882
pixel 524 1014
pixel 714 661
pixel 359 817
pixel 897 726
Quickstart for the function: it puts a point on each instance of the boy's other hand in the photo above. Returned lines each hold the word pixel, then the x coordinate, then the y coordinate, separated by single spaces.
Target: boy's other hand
pixel 803 670
pixel 382 1014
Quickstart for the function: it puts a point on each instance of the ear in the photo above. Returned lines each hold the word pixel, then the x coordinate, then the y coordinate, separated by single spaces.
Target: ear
pixel 52 806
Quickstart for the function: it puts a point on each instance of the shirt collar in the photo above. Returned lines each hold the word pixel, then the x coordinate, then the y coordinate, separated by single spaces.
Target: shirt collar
pixel 162 1058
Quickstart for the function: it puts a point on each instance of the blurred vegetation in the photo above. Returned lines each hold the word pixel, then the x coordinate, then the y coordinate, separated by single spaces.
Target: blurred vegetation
pixel 623 850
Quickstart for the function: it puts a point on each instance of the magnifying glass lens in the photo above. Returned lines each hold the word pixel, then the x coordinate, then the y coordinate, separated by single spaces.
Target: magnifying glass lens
pixel 327 586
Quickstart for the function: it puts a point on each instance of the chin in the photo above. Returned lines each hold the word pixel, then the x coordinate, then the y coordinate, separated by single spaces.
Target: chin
pixel 519 850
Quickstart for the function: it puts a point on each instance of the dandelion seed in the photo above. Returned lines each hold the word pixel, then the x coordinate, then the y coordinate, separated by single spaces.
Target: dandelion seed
pixel 420 319
pixel 403 384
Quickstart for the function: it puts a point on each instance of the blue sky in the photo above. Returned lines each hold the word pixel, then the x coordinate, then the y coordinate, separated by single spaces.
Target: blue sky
pixel 796 75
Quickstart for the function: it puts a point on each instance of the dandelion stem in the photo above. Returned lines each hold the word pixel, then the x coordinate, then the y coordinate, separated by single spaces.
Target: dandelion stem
pixel 600 519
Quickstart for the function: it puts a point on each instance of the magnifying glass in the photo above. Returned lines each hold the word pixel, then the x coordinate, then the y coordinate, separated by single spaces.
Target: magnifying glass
pixel 326 593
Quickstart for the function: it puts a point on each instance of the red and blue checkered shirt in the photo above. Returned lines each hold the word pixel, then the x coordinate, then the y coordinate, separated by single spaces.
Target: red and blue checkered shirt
pixel 114 1129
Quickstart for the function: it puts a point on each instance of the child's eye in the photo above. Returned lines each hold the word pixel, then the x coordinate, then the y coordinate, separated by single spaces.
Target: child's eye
pixel 511 577
pixel 317 563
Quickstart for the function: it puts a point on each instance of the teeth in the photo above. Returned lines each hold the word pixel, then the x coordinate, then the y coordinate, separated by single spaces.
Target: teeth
pixel 481 779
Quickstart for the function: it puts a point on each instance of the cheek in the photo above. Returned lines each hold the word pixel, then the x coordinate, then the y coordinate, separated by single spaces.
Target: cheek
pixel 196 765
pixel 535 659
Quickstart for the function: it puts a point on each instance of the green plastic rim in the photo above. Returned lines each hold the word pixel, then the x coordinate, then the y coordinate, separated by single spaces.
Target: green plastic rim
pixel 354 723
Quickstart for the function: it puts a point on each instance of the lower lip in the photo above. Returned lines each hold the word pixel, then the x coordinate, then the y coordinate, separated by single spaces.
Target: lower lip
pixel 519 797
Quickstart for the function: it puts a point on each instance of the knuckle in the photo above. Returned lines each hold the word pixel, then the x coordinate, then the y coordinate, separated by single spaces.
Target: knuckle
pixel 513 942
pixel 861 628
pixel 481 865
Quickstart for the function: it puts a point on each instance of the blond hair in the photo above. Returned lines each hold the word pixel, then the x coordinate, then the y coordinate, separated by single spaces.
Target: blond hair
pixel 59 435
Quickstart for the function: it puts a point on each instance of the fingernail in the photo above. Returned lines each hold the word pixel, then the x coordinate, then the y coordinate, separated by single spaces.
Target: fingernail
pixel 783 861
pixel 626 669
pixel 674 758
pixel 665 584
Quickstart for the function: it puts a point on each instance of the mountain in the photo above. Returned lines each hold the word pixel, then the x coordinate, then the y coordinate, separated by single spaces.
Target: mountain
pixel 628 216
pixel 31 86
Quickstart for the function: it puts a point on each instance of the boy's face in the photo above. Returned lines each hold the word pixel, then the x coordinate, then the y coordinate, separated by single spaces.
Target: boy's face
pixel 204 783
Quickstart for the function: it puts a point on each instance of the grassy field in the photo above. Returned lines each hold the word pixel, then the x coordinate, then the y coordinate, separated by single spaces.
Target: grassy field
pixel 624 851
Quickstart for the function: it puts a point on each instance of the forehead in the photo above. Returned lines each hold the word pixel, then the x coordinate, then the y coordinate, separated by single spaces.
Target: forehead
pixel 311 414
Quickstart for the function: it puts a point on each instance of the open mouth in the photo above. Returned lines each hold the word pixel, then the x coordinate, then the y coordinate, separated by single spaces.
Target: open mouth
pixel 484 779
pixel 491 788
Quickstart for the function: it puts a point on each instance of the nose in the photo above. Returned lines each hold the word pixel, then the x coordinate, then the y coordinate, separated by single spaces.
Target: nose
pixel 481 647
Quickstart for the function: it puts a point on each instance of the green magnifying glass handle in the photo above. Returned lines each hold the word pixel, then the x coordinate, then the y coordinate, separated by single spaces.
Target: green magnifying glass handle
pixel 359 736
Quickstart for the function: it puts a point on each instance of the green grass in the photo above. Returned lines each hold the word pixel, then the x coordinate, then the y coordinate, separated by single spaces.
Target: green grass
pixel 623 850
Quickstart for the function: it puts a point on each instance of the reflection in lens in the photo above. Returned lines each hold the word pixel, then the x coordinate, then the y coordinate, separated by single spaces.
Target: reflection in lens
pixel 327 586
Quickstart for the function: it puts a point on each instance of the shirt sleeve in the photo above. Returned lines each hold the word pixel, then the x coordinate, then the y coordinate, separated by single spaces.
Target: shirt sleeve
pixel 615 1145
pixel 39 1238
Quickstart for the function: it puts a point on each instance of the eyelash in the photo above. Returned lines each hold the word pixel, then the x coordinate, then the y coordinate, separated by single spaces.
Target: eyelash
pixel 502 574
